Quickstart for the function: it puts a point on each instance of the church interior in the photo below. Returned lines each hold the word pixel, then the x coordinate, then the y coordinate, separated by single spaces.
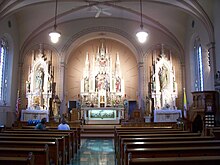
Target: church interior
pixel 137 81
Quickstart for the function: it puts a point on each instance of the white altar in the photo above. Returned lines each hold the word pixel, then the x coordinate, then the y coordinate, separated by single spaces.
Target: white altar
pixel 34 115
pixel 167 115
pixel 104 115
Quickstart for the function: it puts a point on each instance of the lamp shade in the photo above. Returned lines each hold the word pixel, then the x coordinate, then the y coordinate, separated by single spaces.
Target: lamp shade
pixel 142 36
pixel 54 36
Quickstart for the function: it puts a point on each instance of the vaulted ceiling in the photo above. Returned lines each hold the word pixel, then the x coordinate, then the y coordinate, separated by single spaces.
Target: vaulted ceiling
pixel 168 16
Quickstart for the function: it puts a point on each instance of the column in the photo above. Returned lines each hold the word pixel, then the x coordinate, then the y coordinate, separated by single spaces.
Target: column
pixel 140 92
pixel 62 90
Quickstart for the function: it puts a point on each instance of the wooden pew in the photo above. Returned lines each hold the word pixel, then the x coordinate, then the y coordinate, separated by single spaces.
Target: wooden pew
pixel 41 154
pixel 75 129
pixel 53 147
pixel 150 135
pixel 26 160
pixel 71 145
pixel 193 160
pixel 166 144
pixel 124 130
pixel 61 142
pixel 65 151
pixel 171 152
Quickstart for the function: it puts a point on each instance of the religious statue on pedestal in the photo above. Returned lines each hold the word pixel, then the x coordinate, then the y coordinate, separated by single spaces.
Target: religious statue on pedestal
pixel 56 106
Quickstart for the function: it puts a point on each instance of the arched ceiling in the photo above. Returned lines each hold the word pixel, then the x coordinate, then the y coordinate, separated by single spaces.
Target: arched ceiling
pixel 167 16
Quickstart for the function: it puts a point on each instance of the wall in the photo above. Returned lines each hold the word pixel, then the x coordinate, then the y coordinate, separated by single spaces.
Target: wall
pixel 9 27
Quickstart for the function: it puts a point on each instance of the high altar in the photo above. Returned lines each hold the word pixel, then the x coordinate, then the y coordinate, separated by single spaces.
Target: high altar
pixel 102 88
pixel 39 86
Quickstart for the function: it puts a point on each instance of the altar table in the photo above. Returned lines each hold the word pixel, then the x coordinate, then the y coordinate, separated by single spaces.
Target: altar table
pixel 103 115
pixel 167 115
pixel 28 114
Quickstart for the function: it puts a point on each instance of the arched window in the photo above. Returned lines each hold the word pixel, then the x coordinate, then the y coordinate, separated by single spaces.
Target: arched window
pixel 3 71
pixel 199 75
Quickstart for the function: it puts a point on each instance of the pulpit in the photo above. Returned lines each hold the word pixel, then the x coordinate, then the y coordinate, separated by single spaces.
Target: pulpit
pixel 204 102
pixel 206 105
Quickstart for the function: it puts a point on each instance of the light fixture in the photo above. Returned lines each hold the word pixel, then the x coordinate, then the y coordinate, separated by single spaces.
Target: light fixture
pixel 141 35
pixel 55 35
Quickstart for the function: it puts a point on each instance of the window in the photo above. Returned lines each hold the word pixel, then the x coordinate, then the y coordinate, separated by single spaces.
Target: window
pixel 199 75
pixel 3 71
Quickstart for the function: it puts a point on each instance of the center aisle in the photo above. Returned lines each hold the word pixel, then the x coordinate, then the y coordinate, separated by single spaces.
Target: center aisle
pixel 95 152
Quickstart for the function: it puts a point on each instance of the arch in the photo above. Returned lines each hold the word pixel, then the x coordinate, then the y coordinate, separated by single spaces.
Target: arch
pixel 100 32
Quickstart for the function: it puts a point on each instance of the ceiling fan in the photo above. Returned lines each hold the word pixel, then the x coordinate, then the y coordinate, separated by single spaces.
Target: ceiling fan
pixel 100 10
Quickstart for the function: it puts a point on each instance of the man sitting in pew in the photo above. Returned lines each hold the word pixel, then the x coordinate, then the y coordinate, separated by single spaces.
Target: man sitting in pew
pixel 41 125
pixel 63 125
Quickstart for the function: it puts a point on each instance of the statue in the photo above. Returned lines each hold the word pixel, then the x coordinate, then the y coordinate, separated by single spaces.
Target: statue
pixel 39 79
pixel 163 77
pixel 56 105
pixel 148 106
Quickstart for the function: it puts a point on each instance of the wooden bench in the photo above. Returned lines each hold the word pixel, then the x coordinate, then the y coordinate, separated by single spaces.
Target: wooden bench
pixel 53 147
pixel 26 160
pixel 66 154
pixel 134 130
pixel 125 140
pixel 150 135
pixel 71 145
pixel 171 152
pixel 76 131
pixel 193 160
pixel 166 144
pixel 41 154
pixel 61 142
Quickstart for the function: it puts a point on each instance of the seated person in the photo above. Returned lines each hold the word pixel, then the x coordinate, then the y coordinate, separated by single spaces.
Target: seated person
pixel 63 125
pixel 41 125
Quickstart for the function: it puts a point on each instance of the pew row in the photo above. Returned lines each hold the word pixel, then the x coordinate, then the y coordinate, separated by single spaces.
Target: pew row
pixel 54 156
pixel 171 152
pixel 193 160
pixel 165 144
pixel 41 154
pixel 61 143
pixel 26 160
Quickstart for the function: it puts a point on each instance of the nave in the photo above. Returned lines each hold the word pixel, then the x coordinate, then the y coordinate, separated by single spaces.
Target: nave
pixel 95 151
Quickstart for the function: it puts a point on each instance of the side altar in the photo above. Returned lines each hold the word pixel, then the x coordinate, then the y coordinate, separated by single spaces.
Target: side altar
pixel 40 88
pixel 34 114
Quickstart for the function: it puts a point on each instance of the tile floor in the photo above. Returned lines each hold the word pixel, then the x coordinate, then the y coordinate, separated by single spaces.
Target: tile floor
pixel 95 152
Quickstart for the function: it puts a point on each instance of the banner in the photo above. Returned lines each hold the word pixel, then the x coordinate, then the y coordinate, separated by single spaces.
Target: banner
pixel 18 105
pixel 184 103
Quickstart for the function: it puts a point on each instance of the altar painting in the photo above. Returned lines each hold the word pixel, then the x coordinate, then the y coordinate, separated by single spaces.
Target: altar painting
pixel 102 114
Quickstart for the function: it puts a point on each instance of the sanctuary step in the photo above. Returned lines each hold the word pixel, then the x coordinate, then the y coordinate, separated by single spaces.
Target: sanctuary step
pixel 97 131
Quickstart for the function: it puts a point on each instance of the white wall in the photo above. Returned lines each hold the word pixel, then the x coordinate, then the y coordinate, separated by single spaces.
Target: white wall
pixel 11 33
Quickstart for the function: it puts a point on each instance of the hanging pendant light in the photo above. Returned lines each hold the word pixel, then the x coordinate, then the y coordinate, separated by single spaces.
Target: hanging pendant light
pixel 55 35
pixel 141 35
